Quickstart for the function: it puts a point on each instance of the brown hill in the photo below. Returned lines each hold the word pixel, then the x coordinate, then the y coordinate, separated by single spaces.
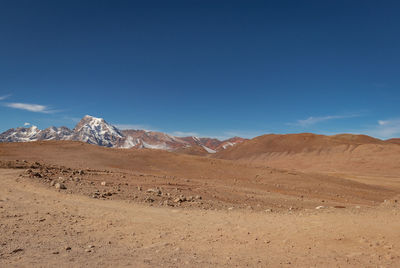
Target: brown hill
pixel 395 140
pixel 357 154
pixel 293 143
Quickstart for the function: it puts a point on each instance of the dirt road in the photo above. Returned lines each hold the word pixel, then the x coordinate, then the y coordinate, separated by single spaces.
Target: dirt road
pixel 42 227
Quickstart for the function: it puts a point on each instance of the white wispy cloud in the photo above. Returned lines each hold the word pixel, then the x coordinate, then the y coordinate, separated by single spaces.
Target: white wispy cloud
pixel 27 124
pixel 184 134
pixel 312 120
pixel 72 119
pixel 244 134
pixel 4 97
pixel 385 129
pixel 133 126
pixel 37 108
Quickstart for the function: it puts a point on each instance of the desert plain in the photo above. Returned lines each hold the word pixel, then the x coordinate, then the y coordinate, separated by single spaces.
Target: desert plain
pixel 300 200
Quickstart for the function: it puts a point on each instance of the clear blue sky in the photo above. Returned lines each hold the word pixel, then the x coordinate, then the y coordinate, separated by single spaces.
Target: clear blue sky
pixel 213 68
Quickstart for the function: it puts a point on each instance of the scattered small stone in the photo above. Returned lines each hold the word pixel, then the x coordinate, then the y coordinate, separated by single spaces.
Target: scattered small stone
pixel 90 246
pixel 156 191
pixel 88 250
pixel 319 207
pixel 37 174
pixel 52 183
pixel 60 186
pixel 107 194
pixel 198 197
pixel 68 248
pixel 149 200
pixel 180 199
pixel 103 183
pixel 56 252
pixel 17 250
pixel 230 208
pixel 167 203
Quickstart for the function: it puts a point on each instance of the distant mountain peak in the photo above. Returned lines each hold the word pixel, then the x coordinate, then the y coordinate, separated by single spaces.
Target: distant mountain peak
pixel 90 120
pixel 95 130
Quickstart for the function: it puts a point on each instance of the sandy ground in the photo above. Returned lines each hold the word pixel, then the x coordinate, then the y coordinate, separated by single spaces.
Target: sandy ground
pixel 43 227
pixel 222 184
pixel 232 213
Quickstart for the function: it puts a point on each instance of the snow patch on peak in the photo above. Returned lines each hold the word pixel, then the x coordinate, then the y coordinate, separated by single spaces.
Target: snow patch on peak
pixel 33 130
pixel 210 151
pixel 162 146
pixel 196 138
pixel 130 142
pixel 228 144
pixel 92 117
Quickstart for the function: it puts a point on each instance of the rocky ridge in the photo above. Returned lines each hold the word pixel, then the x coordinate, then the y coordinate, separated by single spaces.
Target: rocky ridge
pixel 97 131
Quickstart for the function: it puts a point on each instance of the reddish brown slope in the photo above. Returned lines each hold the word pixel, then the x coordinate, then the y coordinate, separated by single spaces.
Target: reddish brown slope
pixel 395 141
pixel 293 143
pixel 358 154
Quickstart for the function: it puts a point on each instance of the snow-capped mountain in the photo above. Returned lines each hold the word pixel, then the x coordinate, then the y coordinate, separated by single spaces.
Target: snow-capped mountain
pixel 21 134
pixel 54 133
pixel 151 140
pixel 97 131
pixel 32 133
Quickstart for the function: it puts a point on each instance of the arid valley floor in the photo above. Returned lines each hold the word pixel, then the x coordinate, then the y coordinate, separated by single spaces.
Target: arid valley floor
pixel 275 201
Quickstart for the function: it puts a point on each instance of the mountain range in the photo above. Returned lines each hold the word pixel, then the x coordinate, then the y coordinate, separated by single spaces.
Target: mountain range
pixel 97 131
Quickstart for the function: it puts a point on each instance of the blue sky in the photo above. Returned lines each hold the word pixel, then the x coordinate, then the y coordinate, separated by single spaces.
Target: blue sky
pixel 208 68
